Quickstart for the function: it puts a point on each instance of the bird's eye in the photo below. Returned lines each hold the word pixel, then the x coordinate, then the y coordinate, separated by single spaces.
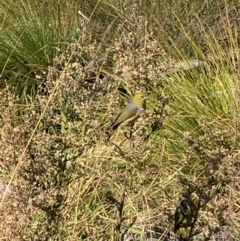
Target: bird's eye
pixel 141 96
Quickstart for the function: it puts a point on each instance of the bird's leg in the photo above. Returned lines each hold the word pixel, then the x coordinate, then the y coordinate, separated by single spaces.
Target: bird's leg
pixel 125 134
pixel 129 137
pixel 131 132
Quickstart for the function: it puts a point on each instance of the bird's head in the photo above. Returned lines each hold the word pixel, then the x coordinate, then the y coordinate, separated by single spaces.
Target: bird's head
pixel 140 99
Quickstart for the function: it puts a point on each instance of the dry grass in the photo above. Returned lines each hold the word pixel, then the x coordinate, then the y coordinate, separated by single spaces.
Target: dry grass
pixel 60 178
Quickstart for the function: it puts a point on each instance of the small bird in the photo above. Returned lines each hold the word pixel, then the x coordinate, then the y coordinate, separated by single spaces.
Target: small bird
pixel 184 216
pixel 131 112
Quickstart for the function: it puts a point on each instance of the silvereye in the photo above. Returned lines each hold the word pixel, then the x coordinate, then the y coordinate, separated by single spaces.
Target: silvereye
pixel 184 216
pixel 131 112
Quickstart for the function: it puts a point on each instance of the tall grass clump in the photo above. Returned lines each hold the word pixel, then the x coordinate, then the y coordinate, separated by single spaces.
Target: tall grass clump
pixel 32 32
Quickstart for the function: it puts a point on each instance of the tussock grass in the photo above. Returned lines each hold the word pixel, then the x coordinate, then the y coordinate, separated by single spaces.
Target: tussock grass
pixel 32 32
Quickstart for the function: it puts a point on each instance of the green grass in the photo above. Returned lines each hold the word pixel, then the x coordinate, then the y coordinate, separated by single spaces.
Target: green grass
pixel 32 33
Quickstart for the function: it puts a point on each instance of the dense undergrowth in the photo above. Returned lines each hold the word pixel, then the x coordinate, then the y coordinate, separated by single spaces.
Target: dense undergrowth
pixel 64 76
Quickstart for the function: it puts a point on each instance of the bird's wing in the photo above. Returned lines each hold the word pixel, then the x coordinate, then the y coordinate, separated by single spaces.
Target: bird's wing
pixel 122 116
